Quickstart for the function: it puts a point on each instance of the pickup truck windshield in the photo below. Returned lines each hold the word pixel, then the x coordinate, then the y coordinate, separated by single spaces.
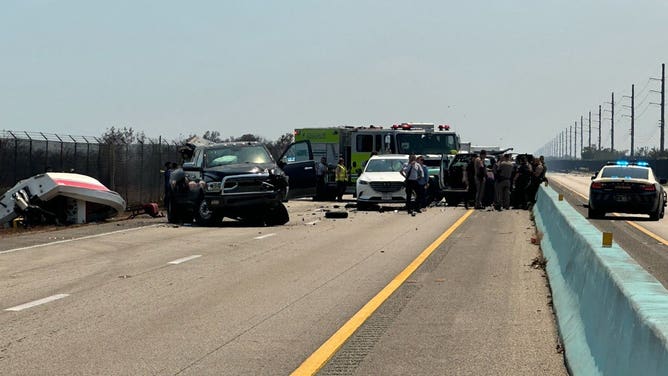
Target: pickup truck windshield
pixel 228 155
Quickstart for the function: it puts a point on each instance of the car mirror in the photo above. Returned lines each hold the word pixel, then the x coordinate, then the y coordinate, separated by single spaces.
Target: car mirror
pixel 663 181
pixel 190 166
pixel 593 177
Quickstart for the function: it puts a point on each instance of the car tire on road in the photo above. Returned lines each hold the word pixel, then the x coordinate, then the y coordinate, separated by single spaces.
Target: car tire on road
pixel 657 214
pixel 336 214
pixel 203 215
pixel 594 214
pixel 277 216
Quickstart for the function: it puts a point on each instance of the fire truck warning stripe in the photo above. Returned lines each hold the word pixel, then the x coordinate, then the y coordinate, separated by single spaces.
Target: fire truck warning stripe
pixel 320 357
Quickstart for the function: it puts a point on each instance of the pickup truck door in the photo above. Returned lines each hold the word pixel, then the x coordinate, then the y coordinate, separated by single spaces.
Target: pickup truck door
pixel 297 162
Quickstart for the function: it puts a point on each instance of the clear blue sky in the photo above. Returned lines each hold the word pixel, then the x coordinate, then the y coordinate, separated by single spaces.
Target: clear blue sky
pixel 509 73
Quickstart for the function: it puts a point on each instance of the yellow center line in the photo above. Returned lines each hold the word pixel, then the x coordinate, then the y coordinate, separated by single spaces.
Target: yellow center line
pixel 631 223
pixel 319 358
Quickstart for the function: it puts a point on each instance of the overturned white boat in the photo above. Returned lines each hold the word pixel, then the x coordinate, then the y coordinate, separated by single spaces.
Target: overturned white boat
pixel 59 198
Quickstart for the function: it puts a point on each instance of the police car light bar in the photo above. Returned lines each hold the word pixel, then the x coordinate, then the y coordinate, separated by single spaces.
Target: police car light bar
pixel 629 163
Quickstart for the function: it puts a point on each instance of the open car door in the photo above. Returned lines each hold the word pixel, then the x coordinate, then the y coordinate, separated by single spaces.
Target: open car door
pixel 297 162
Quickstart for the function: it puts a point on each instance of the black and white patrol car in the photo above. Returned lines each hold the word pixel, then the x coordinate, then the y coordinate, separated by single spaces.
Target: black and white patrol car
pixel 626 187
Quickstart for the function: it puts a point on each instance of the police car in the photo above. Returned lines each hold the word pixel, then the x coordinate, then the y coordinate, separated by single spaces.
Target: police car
pixel 626 187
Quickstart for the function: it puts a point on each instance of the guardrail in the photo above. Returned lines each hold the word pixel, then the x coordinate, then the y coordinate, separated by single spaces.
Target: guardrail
pixel 612 315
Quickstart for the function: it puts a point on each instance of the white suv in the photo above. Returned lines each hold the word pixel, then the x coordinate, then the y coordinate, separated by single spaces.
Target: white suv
pixel 381 181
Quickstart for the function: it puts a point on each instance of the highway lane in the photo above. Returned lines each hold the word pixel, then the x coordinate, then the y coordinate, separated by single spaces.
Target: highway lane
pixel 253 301
pixel 645 240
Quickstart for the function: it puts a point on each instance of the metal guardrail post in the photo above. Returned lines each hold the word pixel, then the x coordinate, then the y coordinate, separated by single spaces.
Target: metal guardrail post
pixel 16 154
pixel 29 155
pixel 46 153
pixel 75 150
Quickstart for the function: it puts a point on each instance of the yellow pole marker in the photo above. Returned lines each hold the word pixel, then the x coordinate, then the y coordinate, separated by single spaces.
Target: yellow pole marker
pixel 561 197
pixel 607 239
pixel 324 353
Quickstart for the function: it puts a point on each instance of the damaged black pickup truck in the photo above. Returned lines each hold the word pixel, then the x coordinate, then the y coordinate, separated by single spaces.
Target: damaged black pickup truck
pixel 238 180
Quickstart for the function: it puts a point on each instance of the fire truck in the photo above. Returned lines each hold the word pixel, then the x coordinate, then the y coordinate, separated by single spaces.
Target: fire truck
pixel 356 144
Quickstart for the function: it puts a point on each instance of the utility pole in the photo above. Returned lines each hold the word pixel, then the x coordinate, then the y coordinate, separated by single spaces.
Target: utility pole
pixel 612 123
pixel 632 107
pixel 663 102
pixel 600 125
pixel 633 90
pixel 589 144
pixel 581 137
pixel 573 141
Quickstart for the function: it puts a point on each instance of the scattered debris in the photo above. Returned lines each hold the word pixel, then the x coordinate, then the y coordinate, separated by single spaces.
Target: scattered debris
pixel 539 262
pixel 336 214
pixel 150 209
pixel 59 198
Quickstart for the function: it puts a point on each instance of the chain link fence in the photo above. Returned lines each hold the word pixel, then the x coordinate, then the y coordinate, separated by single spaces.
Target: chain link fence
pixel 133 170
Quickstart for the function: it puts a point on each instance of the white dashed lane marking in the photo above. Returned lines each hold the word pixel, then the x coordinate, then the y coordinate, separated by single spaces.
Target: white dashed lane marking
pixel 184 259
pixel 75 239
pixel 37 302
pixel 264 236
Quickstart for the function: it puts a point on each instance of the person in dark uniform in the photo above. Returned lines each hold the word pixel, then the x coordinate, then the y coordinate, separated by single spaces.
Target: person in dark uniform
pixel 522 182
pixel 321 171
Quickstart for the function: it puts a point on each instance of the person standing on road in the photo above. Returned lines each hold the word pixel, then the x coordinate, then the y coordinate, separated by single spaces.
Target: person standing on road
pixel 522 181
pixel 341 179
pixel 536 178
pixel 423 184
pixel 504 171
pixel 542 161
pixel 320 175
pixel 468 178
pixel 412 171
pixel 480 177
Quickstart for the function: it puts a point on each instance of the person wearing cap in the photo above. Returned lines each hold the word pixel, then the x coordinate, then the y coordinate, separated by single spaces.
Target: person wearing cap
pixel 480 177
pixel 423 184
pixel 341 179
pixel 412 171
pixel 502 176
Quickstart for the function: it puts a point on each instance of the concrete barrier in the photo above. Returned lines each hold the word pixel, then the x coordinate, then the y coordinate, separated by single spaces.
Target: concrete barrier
pixel 612 315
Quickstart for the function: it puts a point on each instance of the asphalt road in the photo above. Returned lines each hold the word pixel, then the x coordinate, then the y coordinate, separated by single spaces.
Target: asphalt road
pixel 644 240
pixel 146 297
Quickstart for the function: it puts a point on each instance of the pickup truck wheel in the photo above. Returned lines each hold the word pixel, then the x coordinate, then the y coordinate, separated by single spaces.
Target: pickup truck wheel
pixel 278 215
pixel 204 216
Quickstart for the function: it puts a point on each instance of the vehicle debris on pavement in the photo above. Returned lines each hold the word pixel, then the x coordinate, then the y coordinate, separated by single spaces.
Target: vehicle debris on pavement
pixel 59 198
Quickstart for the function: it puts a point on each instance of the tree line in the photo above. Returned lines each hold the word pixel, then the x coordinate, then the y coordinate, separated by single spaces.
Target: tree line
pixel 127 135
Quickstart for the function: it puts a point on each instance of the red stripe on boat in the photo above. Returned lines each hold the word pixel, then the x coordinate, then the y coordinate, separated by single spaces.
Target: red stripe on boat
pixel 80 184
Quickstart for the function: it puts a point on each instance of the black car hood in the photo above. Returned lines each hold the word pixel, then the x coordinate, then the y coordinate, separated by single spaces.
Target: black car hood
pixel 219 172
